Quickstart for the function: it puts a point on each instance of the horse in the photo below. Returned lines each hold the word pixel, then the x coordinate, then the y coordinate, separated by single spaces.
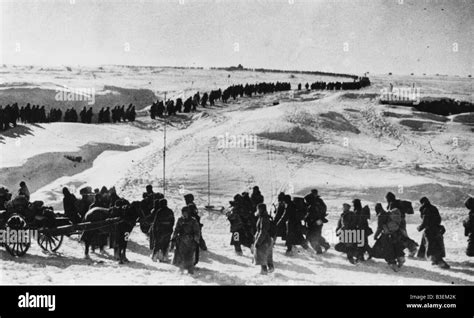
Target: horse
pixel 95 237
pixel 129 213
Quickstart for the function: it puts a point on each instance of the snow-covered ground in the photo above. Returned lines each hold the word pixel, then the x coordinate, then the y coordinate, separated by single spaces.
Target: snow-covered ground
pixel 345 145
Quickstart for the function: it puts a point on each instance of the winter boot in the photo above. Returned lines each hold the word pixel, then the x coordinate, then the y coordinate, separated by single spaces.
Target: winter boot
pixel 400 261
pixel 238 250
pixel 412 251
pixel 165 258
pixel 442 264
pixel 271 268
pixel 394 267
pixel 289 251
pixel 326 246
pixel 159 255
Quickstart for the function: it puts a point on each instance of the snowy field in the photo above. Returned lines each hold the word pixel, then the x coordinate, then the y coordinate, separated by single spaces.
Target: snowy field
pixel 343 143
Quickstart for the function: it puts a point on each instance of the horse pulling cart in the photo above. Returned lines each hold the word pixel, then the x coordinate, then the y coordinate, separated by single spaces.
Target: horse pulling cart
pixel 48 227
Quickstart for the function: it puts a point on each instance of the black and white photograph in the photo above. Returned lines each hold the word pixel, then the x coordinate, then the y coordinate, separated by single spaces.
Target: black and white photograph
pixel 245 143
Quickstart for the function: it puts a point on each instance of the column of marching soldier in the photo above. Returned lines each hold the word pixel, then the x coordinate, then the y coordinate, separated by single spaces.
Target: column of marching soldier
pixel 297 221
pixel 10 115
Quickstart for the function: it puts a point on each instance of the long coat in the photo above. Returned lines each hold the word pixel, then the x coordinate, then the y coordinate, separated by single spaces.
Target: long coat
pixel 263 242
pixel 161 229
pixel 469 232
pixel 241 234
pixel 294 234
pixel 406 240
pixel 432 231
pixel 347 222
pixel 186 236
pixel 256 198
pixel 69 204
pixel 314 236
pixel 281 227
pixel 388 245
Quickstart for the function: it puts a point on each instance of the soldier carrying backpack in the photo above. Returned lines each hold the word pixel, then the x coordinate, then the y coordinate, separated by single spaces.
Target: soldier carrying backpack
pixel 404 207
pixel 347 225
pixel 388 236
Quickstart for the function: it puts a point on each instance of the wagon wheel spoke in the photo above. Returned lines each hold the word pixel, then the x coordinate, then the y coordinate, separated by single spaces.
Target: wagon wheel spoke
pixel 15 249
pixel 59 242
pixel 17 222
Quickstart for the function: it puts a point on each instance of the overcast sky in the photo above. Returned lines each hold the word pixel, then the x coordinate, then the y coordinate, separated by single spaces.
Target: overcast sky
pixel 351 36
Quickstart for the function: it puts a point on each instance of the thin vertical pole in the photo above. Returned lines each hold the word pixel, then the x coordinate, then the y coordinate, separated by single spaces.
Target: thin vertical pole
pixel 164 155
pixel 208 178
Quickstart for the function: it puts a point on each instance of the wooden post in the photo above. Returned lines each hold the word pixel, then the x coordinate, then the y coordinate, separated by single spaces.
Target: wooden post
pixel 209 206
pixel 164 153
pixel 208 178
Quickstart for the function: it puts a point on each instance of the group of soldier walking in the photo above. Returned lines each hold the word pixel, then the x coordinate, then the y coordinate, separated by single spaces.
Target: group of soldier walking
pixel 170 107
pixel 299 221
pixel 186 239
pixel 358 83
pixel 11 115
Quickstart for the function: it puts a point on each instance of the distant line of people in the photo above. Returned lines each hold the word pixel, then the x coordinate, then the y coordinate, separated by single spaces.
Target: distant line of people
pixel 171 107
pixel 117 114
pixel 11 115
pixel 359 83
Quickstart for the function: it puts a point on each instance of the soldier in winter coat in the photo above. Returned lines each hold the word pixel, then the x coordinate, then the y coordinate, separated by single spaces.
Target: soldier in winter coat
pixel 294 234
pixel 23 191
pixel 189 199
pixel 186 238
pixel 69 205
pixel 432 233
pixel 161 230
pixel 315 219
pixel 388 238
pixel 239 227
pixel 280 210
pixel 469 226
pixel 256 198
pixel 264 241
pixel 394 203
pixel 347 224
pixel 362 225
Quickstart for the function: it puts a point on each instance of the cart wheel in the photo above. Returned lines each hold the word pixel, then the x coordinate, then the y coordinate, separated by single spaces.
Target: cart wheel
pixel 50 243
pixel 16 222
